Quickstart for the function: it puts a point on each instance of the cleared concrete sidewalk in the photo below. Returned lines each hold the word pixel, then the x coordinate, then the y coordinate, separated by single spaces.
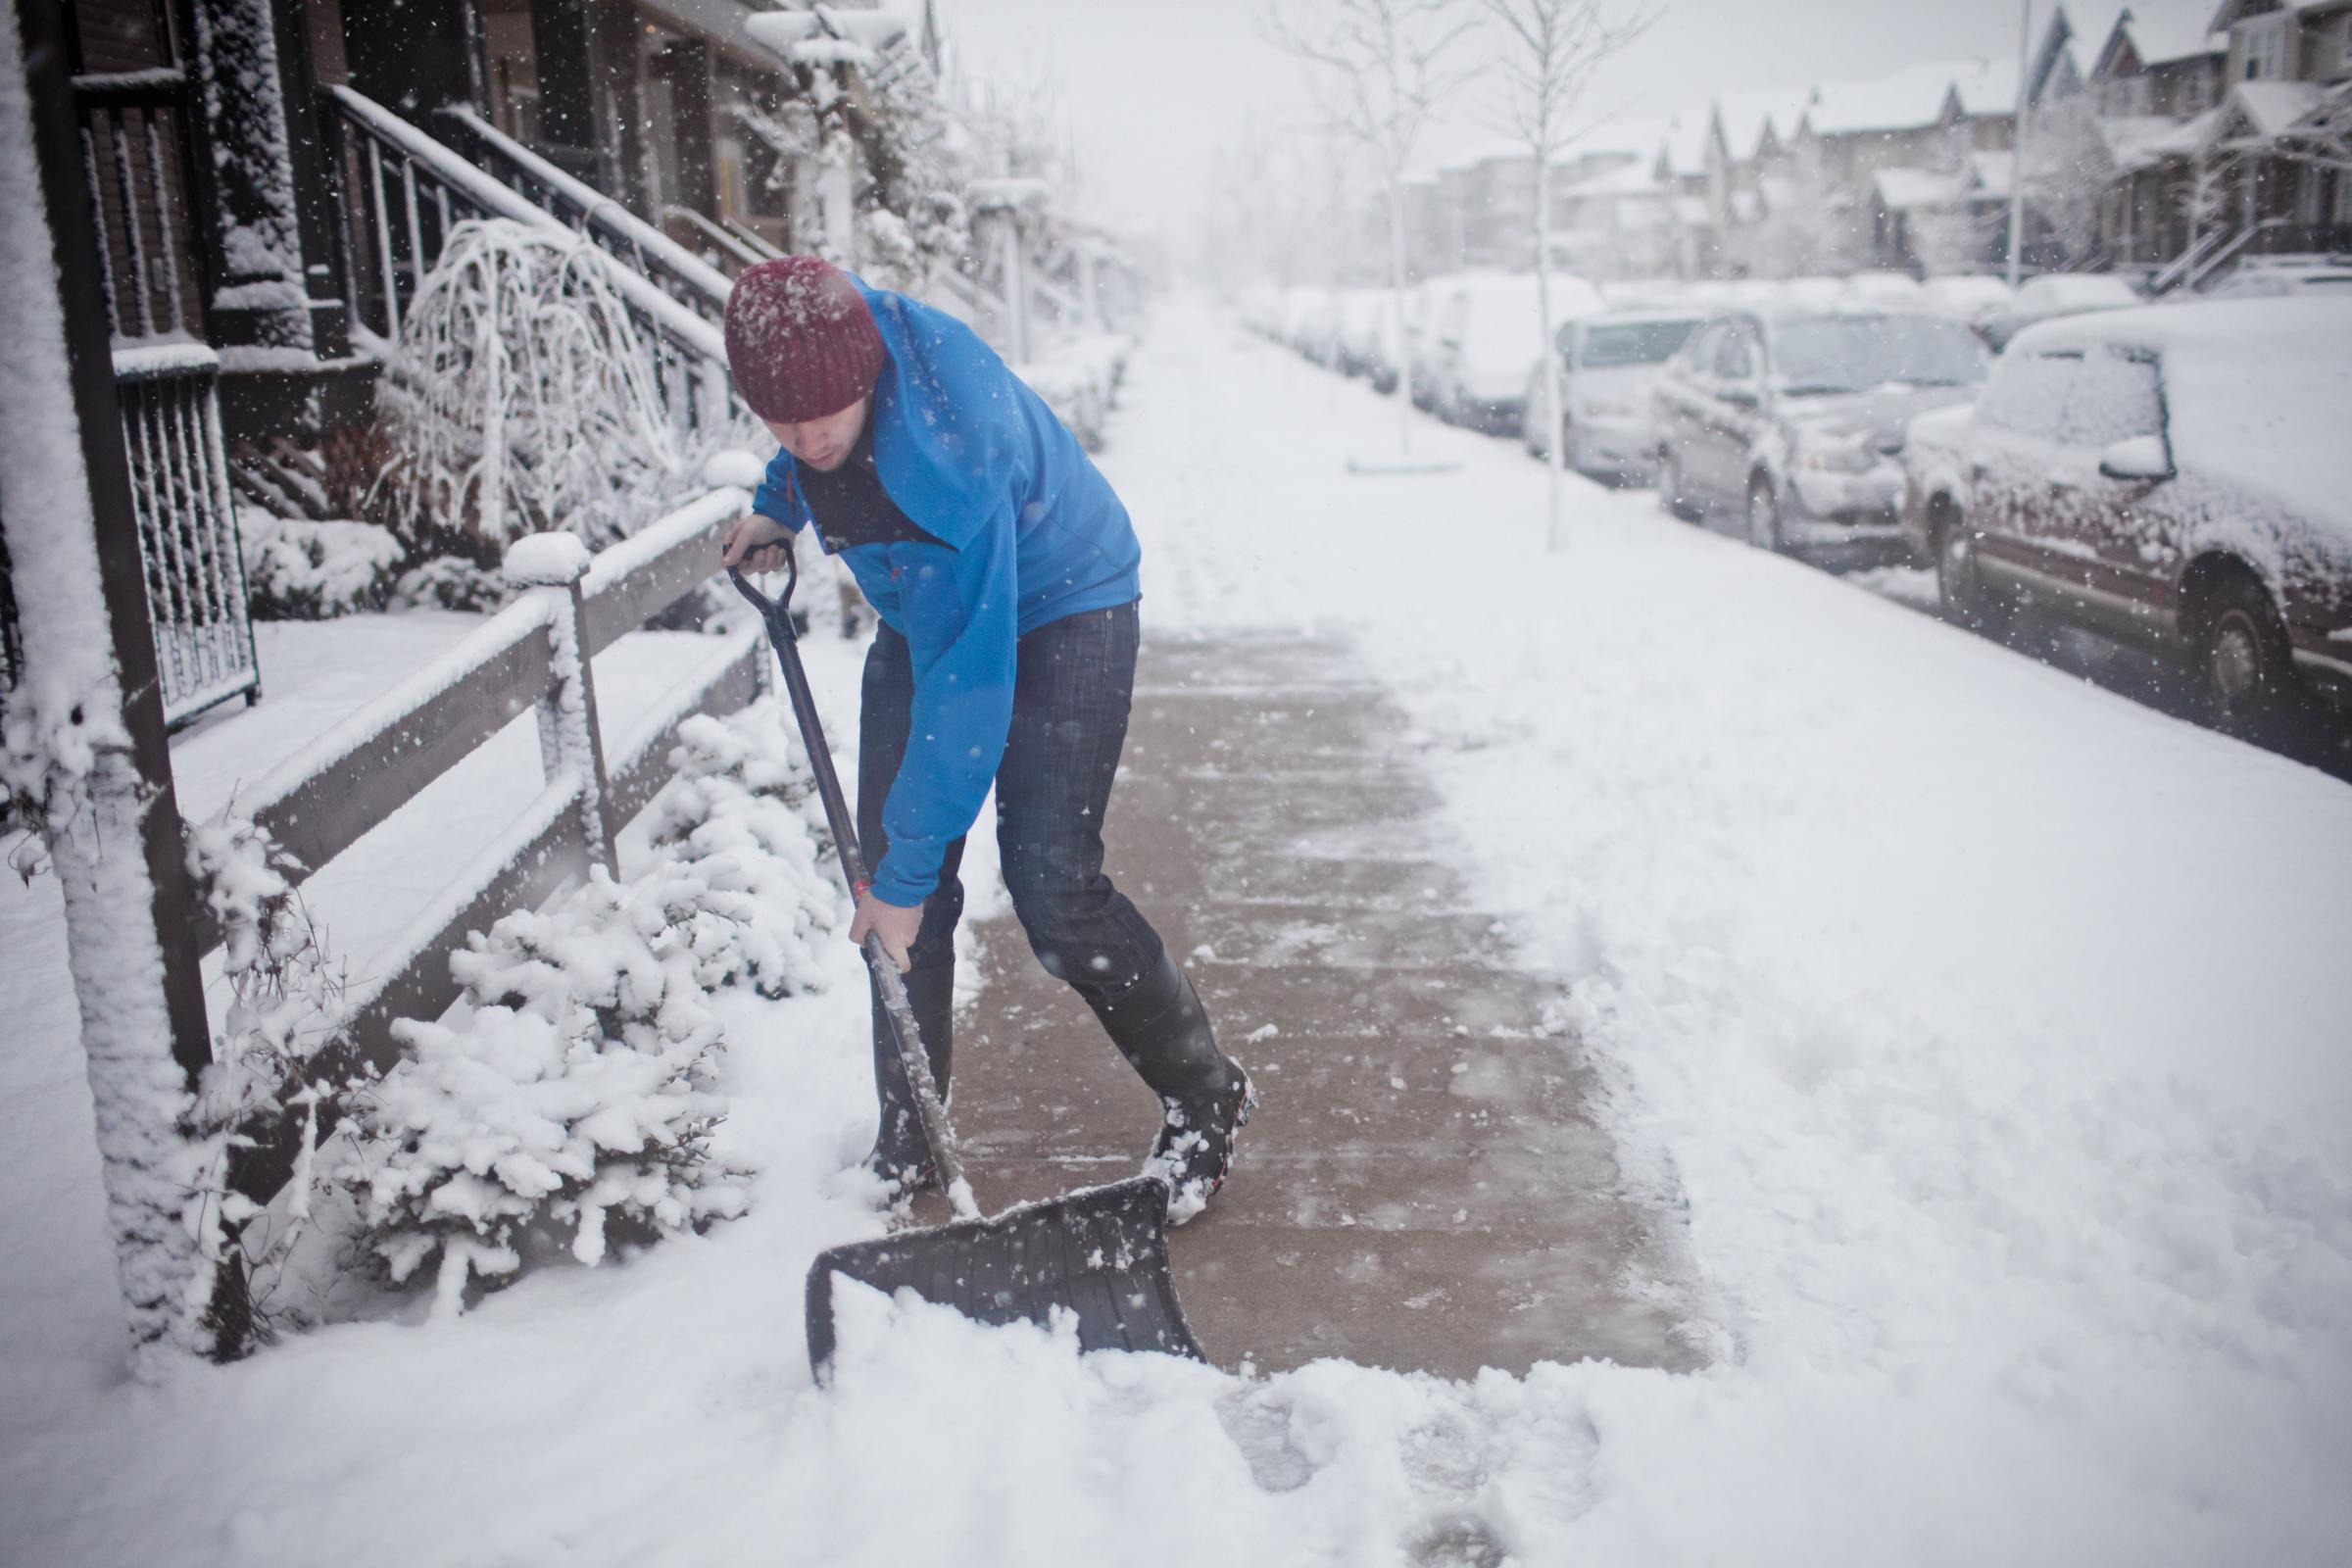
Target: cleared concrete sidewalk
pixel 1423 1186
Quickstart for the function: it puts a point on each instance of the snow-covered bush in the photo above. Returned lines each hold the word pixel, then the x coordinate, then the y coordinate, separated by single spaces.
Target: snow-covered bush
pixel 296 570
pixel 739 825
pixel 521 398
pixel 451 582
pixel 579 1086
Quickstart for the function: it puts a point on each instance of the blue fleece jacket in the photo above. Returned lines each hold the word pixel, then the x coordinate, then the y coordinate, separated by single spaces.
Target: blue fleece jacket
pixel 1029 532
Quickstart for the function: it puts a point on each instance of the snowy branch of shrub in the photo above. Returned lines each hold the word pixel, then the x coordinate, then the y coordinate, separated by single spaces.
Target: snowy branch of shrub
pixel 288 1004
pixel 523 398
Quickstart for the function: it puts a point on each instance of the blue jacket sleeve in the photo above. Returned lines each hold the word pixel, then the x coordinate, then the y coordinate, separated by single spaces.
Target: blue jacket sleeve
pixel 961 615
pixel 778 497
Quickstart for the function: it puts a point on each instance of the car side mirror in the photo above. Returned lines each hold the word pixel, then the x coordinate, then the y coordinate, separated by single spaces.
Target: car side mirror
pixel 2141 460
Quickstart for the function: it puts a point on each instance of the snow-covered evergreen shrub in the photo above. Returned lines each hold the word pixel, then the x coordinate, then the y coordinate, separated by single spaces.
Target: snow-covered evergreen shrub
pixel 578 1088
pixel 296 570
pixel 741 827
pixel 451 582
pixel 521 398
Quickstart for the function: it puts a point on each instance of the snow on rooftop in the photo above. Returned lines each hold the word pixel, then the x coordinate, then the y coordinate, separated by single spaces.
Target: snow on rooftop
pixel 2137 141
pixel 1746 115
pixel 2160 31
pixel 1685 143
pixel 2271 107
pixel 1901 190
pixel 1636 179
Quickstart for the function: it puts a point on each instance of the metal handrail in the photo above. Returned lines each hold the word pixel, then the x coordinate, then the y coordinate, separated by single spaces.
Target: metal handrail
pixel 677 271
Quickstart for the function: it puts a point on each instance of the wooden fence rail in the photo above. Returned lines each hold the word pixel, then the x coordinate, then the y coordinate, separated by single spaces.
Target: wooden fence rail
pixel 356 776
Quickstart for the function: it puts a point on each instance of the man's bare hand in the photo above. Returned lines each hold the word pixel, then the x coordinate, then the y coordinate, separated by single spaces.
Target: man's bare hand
pixel 894 923
pixel 757 543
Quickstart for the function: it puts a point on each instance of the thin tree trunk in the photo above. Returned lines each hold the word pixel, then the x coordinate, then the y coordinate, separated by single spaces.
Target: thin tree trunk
pixel 1556 395
pixel 1404 368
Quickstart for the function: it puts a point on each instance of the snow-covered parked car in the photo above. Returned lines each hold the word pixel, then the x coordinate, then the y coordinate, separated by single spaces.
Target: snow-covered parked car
pixel 2284 278
pixel 2176 475
pixel 2055 294
pixel 1483 331
pixel 1610 365
pixel 1968 297
pixel 1793 421
pixel 1880 291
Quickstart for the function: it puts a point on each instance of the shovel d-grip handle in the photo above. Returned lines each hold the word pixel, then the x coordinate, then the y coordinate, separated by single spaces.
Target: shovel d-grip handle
pixel 777 614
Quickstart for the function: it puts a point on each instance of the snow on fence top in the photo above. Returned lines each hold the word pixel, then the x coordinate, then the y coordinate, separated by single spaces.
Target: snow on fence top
pixel 317 801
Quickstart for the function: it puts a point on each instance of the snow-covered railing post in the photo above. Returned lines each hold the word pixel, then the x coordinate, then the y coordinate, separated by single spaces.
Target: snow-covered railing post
pixel 570 741
pixel 83 747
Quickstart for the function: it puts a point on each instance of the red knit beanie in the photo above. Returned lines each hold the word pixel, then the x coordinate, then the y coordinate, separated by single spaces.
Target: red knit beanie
pixel 799 339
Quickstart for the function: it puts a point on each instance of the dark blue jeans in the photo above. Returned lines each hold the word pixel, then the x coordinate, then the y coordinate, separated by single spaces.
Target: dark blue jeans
pixel 1074 683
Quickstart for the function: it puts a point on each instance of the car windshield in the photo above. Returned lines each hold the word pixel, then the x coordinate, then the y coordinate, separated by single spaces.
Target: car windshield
pixel 1633 343
pixel 1831 354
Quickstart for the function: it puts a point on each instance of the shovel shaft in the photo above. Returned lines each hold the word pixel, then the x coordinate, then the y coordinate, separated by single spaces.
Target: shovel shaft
pixel 936 1131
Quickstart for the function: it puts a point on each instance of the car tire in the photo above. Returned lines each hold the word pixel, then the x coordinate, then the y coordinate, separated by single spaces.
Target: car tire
pixel 1763 516
pixel 2245 666
pixel 1960 581
pixel 1670 486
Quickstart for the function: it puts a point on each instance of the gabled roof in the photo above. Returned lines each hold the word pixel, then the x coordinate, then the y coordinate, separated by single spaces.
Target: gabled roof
pixel 1685 143
pixel 1914 97
pixel 1749 118
pixel 2156 32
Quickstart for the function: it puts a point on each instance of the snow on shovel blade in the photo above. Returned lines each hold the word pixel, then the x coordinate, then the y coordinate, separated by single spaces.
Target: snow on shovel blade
pixel 1099 1253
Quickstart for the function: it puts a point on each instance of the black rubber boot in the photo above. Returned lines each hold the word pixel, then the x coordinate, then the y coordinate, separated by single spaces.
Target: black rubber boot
pixel 1205 1098
pixel 901 1156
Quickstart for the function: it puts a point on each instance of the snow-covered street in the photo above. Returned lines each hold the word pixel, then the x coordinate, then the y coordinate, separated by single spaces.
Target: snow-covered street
pixel 1988 1027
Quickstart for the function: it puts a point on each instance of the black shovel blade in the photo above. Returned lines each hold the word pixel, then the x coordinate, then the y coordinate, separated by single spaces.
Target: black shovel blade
pixel 1101 1253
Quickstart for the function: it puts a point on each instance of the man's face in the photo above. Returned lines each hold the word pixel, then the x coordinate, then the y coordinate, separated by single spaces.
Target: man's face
pixel 822 443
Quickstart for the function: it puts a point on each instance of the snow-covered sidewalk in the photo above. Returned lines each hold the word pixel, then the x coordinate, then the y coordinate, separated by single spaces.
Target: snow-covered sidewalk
pixel 1991 1026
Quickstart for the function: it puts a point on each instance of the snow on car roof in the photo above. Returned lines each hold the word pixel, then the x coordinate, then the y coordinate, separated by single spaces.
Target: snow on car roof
pixel 2076 290
pixel 2255 391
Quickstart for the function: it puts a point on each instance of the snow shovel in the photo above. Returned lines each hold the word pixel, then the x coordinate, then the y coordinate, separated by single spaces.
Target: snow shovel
pixel 1100 1255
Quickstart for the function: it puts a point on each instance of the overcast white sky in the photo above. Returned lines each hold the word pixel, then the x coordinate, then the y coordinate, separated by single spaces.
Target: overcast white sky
pixel 1155 89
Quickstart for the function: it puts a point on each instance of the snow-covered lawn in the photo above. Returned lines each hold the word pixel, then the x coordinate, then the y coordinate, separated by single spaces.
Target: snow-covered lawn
pixel 1993 1029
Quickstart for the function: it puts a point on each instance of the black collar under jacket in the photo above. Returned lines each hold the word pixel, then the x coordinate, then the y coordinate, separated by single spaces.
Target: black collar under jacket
pixel 849 505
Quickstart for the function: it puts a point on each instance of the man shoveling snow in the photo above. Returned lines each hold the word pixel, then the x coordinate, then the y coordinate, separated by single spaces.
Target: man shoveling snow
pixel 1004 572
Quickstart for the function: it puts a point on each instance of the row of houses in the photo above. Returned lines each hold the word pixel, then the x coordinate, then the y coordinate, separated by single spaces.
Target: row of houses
pixel 2173 138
